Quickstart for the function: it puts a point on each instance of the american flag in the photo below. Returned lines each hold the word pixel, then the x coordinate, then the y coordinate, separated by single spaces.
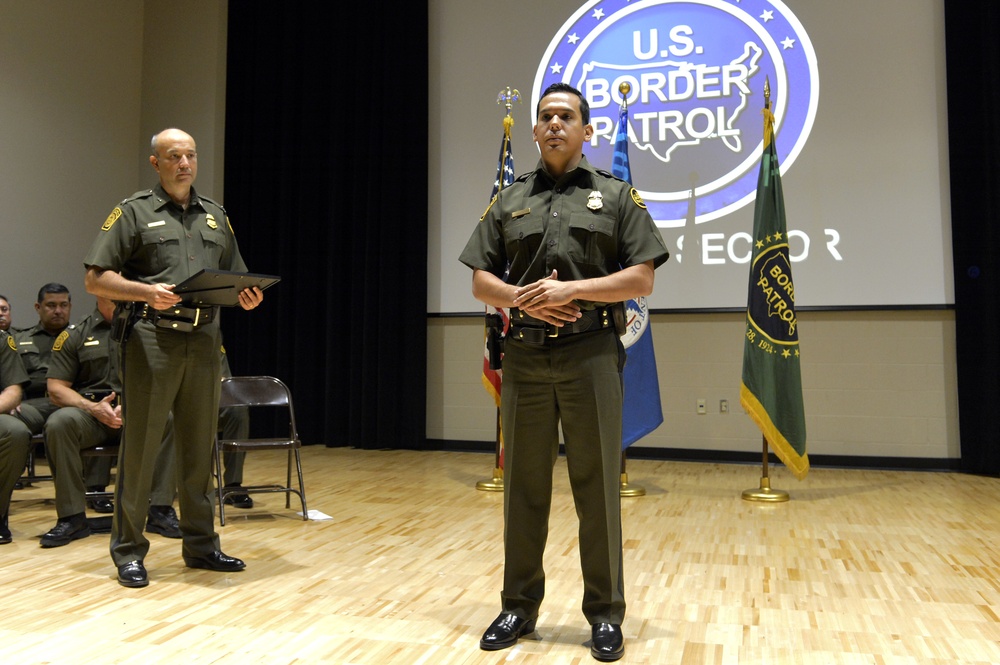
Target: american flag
pixel 493 378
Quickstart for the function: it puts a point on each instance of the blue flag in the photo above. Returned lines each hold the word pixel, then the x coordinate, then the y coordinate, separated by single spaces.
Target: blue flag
pixel 642 411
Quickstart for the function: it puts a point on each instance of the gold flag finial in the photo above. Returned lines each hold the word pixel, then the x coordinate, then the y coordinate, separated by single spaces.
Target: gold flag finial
pixel 624 88
pixel 767 92
pixel 508 97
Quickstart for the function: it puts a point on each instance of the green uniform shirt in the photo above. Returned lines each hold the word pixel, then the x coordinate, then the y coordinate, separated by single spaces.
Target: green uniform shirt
pixel 150 239
pixel 84 356
pixel 11 368
pixel 35 347
pixel 585 224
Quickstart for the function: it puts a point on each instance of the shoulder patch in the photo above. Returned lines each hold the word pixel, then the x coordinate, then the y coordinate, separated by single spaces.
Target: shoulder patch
pixel 487 211
pixel 11 343
pixel 112 218
pixel 60 340
pixel 637 199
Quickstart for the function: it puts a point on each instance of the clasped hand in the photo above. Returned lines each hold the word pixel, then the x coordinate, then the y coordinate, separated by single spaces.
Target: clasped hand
pixel 548 300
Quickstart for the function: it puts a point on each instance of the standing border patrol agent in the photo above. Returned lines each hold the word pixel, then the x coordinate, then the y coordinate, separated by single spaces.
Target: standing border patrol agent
pixel 578 242
pixel 152 241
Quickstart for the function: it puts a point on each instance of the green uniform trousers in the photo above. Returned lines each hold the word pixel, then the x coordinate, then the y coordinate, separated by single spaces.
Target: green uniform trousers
pixel 576 381
pixel 70 430
pixel 15 440
pixel 36 412
pixel 234 423
pixel 164 371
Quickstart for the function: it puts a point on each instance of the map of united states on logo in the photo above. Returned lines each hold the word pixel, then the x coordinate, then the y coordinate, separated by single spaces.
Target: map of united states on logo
pixel 695 71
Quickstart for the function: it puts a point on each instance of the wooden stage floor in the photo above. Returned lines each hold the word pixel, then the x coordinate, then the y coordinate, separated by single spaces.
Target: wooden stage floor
pixel 859 566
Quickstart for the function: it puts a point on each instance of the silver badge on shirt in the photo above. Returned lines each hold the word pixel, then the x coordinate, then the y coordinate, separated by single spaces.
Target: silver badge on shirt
pixel 595 201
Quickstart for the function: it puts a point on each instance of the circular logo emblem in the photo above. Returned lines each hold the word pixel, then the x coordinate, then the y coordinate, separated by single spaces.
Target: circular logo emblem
pixel 695 71
pixel 636 321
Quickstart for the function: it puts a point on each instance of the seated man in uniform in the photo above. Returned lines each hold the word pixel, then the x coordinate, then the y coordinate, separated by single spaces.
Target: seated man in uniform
pixel 14 435
pixel 83 382
pixel 4 313
pixel 54 307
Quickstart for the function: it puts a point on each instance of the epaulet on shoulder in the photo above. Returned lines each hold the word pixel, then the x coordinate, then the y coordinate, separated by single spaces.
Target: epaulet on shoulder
pixel 213 202
pixel 608 174
pixel 523 176
pixel 144 194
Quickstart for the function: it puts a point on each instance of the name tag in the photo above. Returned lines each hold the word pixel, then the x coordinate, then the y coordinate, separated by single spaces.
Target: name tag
pixel 520 213
pixel 93 342
pixel 159 223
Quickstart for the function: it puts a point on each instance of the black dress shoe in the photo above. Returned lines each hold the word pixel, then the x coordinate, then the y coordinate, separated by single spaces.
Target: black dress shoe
pixel 163 520
pixel 5 536
pixel 103 506
pixel 132 574
pixel 607 644
pixel 504 632
pixel 66 531
pixel 215 561
pixel 237 500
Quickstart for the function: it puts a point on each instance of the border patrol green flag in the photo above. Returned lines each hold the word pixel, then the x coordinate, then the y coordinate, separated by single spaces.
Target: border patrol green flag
pixel 771 391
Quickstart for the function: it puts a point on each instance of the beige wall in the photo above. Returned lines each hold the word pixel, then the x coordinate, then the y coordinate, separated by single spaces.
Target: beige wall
pixel 83 86
pixel 874 383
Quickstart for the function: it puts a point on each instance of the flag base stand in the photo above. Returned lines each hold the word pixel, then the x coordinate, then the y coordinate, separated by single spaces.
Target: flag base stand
pixel 765 493
pixel 495 484
pixel 625 489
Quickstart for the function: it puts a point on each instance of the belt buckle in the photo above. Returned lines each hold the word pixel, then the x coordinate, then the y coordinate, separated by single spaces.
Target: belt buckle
pixel 554 333
pixel 197 315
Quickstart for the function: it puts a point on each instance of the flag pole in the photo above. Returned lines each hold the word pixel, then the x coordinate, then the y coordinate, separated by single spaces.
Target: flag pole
pixel 494 484
pixel 624 487
pixel 507 98
pixel 765 493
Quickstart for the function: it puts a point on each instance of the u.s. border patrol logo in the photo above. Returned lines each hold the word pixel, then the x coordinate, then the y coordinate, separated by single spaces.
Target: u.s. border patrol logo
pixel 696 70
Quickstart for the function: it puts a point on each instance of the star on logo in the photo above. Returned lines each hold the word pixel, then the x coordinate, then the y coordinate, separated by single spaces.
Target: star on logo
pixel 556 68
pixel 768 16
pixel 787 43
pixel 598 14
pixel 573 39
pixel 786 354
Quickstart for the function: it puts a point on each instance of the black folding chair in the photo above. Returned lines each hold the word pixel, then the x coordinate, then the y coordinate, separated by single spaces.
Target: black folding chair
pixel 260 391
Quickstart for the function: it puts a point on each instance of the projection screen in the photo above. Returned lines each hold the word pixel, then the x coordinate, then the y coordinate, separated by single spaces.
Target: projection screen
pixel 859 96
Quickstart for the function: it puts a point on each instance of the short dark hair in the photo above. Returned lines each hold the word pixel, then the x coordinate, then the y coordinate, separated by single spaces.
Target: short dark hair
pixel 52 287
pixel 566 87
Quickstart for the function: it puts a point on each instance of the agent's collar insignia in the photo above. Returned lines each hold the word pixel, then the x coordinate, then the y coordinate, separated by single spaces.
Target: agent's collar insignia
pixel 595 201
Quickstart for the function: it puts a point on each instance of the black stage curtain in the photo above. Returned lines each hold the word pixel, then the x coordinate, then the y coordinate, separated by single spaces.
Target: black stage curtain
pixel 326 186
pixel 973 70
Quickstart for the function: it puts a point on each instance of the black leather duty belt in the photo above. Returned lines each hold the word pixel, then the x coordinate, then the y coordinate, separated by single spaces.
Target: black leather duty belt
pixel 182 319
pixel 526 328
